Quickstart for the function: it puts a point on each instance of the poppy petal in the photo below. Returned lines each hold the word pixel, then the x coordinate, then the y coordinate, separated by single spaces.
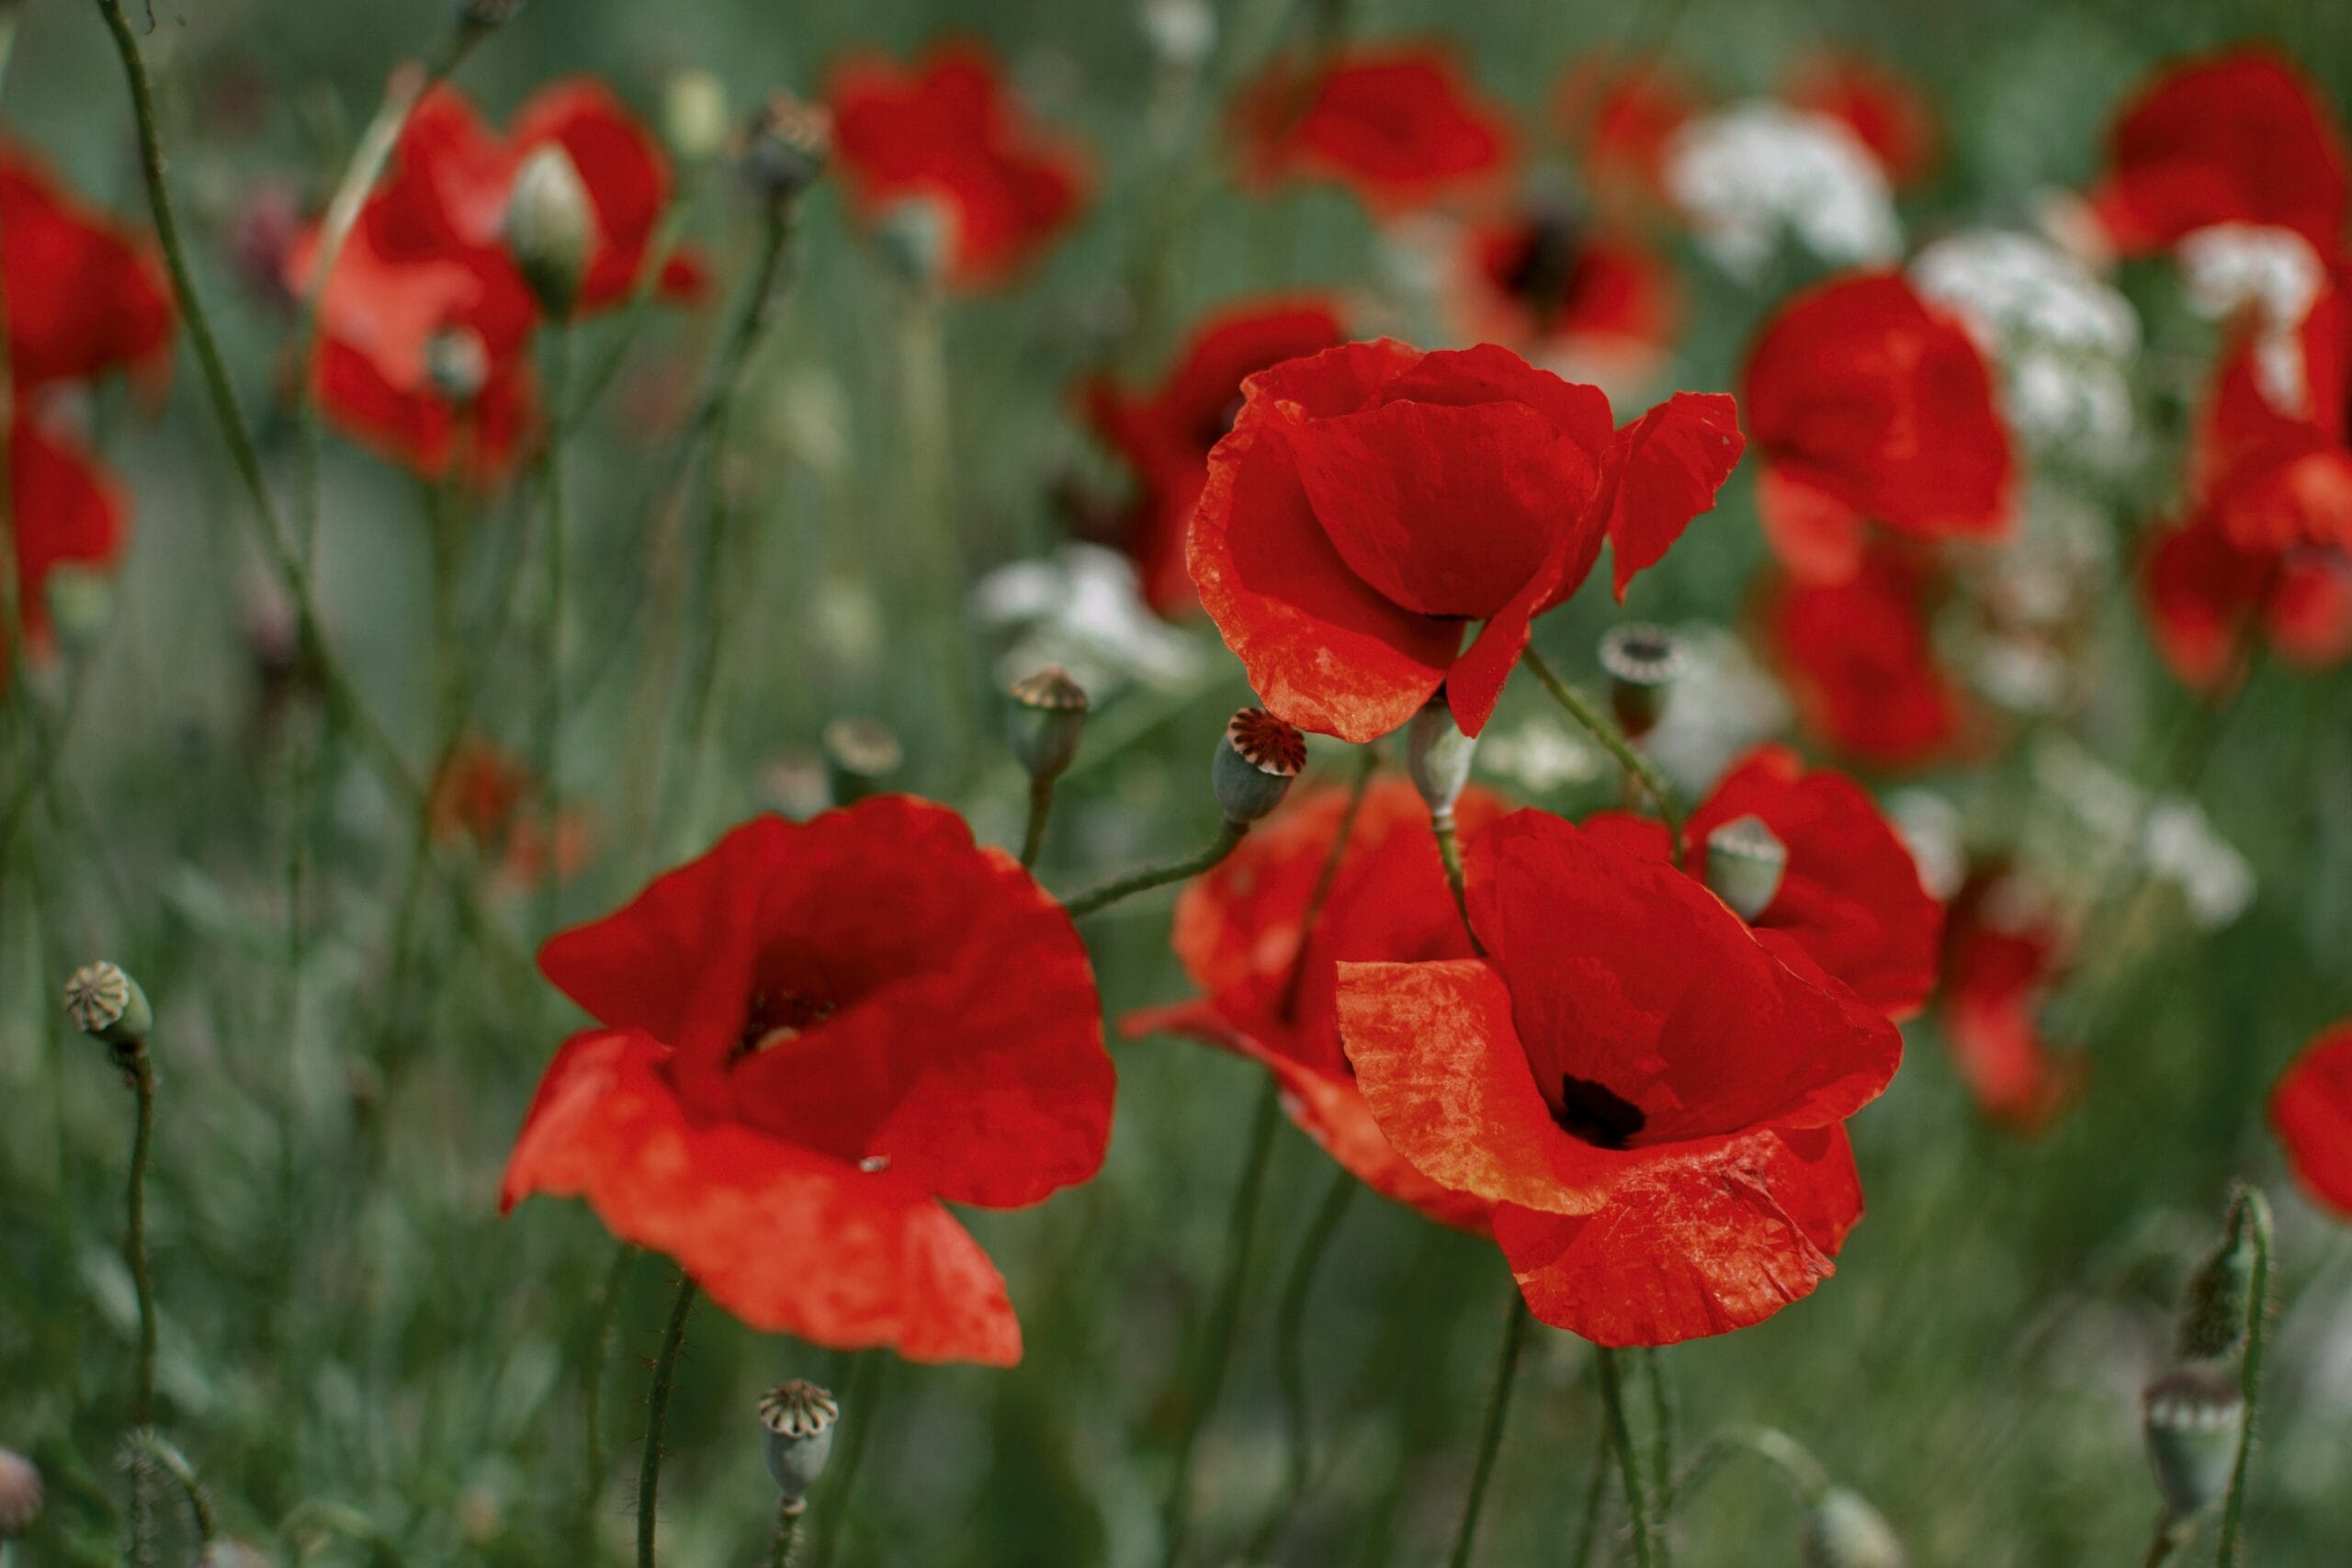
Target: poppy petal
pixel 2311 1112
pixel 1664 470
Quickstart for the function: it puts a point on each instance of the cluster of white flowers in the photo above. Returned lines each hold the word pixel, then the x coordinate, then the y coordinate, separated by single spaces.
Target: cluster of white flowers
pixel 1540 756
pixel 2037 590
pixel 1724 702
pixel 1082 608
pixel 2271 276
pixel 1932 829
pixel 2091 822
pixel 2064 339
pixel 2180 845
pixel 1757 171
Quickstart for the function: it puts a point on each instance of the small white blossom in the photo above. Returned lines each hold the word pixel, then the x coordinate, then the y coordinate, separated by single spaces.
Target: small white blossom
pixel 1930 827
pixel 2269 275
pixel 1082 608
pixel 1724 702
pixel 1181 32
pixel 1757 171
pixel 1540 757
pixel 2180 845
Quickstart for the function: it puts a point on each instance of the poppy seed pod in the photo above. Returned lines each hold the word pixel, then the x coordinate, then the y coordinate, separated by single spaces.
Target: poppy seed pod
pixel 1047 719
pixel 20 1493
pixel 1843 1531
pixel 1746 863
pixel 1437 754
pixel 1643 662
pixel 1257 758
pixel 106 1004
pixel 482 16
pixel 786 146
pixel 2215 1303
pixel 916 237
pixel 550 227
pixel 796 1422
pixel 860 756
pixel 2194 1417
pixel 457 364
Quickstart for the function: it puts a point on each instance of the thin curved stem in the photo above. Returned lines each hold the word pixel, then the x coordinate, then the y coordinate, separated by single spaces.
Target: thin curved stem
pixel 2257 1211
pixel 1490 1439
pixel 1589 1529
pixel 657 1413
pixel 141 1075
pixel 551 647
pixel 2166 1541
pixel 1449 850
pixel 1612 740
pixel 1662 1420
pixel 1099 898
pixel 591 1394
pixel 1629 1461
pixel 1041 807
pixel 1290 1328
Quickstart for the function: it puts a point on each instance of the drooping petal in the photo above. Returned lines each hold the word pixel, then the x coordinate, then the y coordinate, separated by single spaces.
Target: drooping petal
pixel 84 293
pixel 1664 470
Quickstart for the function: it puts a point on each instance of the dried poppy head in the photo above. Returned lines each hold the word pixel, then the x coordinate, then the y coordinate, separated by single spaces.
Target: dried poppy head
pixel 786 147
pixel 20 1493
pixel 1643 662
pixel 1049 717
pixel 1843 1531
pixel 1257 758
pixel 551 228
pixel 2194 1417
pixel 1438 755
pixel 106 1004
pixel 796 1422
pixel 860 754
pixel 1746 863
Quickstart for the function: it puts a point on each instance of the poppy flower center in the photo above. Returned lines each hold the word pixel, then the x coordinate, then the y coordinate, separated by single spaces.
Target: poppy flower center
pixel 776 1016
pixel 1596 1113
pixel 1541 262
pixel 1218 425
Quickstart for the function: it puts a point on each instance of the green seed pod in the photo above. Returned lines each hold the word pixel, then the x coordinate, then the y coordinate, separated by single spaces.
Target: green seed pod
pixel 860 756
pixel 1746 863
pixel 2218 1296
pixel 1643 662
pixel 1047 718
pixel 1437 755
pixel 2194 1418
pixel 106 1004
pixel 1843 1531
pixel 785 148
pixel 796 1422
pixel 20 1493
pixel 1257 758
pixel 550 226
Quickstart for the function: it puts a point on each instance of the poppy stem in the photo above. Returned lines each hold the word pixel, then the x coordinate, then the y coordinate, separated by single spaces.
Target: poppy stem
pixel 1102 896
pixel 1225 1316
pixel 1367 763
pixel 139 1073
pixel 559 349
pixel 1041 807
pixel 862 1397
pixel 2256 1209
pixel 657 1412
pixel 1490 1439
pixel 788 1535
pixel 2171 1534
pixel 592 1396
pixel 1612 740
pixel 1647 1553
pixel 1588 1531
pixel 1662 1418
pixel 1449 850
pixel 1290 1348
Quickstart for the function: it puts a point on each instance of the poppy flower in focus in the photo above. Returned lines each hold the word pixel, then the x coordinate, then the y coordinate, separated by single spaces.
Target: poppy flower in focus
pixel 1652 1093
pixel 1871 405
pixel 2001 958
pixel 1397 125
pixel 809 1042
pixel 84 293
pixel 2311 1112
pixel 491 799
pixel 1269 978
pixel 1620 116
pixel 1859 663
pixel 66 512
pixel 1592 304
pixel 2239 137
pixel 1373 500
pixel 950 130
pixel 1849 894
pixel 1884 109
pixel 1165 433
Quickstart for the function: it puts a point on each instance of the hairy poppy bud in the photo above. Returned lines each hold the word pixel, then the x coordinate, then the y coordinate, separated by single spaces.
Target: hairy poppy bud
pixel 796 1422
pixel 20 1493
pixel 1843 1531
pixel 1744 864
pixel 694 114
pixel 482 16
pixel 786 147
pixel 1437 755
pixel 1049 717
pixel 2194 1417
pixel 106 1004
pixel 457 364
pixel 550 228
pixel 1256 760
pixel 860 756
pixel 1643 662
pixel 2218 1296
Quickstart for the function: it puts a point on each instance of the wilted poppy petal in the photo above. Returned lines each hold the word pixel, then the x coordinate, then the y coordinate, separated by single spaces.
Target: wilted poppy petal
pixel 1664 470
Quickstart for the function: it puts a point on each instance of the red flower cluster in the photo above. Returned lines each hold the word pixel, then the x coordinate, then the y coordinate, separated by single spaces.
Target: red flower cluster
pixel 1396 124
pixel 83 296
pixel 2002 956
pixel 491 799
pixel 948 129
pixel 1651 1092
pixel 425 326
pixel 807 1042
pixel 1590 301
pixel 1859 661
pixel 1372 501
pixel 2311 1112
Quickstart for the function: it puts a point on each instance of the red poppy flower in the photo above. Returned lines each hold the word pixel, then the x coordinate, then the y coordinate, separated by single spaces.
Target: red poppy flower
pixel 1651 1093
pixel 84 293
pixel 66 512
pixel 1398 125
pixel 2001 958
pixel 1373 500
pixel 949 128
pixel 1621 116
pixel 809 1040
pixel 1238 930
pixel 1165 433
pixel 2206 596
pixel 1871 405
pixel 1884 109
pixel 1543 283
pixel 2311 1112
pixel 1859 664
pixel 1850 897
pixel 487 797
pixel 2234 137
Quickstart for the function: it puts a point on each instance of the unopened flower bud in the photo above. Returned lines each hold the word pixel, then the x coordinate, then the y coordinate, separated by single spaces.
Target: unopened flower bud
pixel 1257 758
pixel 2219 1297
pixel 483 16
pixel 1643 662
pixel 786 146
pixel 457 364
pixel 20 1493
pixel 1843 1531
pixel 1746 863
pixel 106 1004
pixel 694 114
pixel 550 227
pixel 796 1421
pixel 860 756
pixel 2194 1417
pixel 1047 719
pixel 1437 755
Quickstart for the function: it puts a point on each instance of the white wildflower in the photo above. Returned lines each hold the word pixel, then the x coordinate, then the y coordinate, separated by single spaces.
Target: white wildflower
pixel 1757 171
pixel 1540 757
pixel 1724 702
pixel 2180 845
pixel 1082 608
pixel 2273 277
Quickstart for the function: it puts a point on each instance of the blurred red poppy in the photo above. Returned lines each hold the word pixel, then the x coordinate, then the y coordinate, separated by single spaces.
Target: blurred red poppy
pixel 66 511
pixel 1871 405
pixel 1652 1093
pixel 1887 112
pixel 950 130
pixel 1590 303
pixel 2208 600
pixel 85 294
pixel 1850 896
pixel 2001 958
pixel 2311 1112
pixel 491 799
pixel 1373 500
pixel 1619 115
pixel 810 1040
pixel 1165 433
pixel 2239 137
pixel 1397 124
pixel 1239 930
pixel 1860 662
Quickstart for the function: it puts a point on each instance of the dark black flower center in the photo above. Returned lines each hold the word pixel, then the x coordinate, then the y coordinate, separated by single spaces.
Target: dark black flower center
pixel 1218 424
pixel 1596 1113
pixel 1537 269
pixel 779 1012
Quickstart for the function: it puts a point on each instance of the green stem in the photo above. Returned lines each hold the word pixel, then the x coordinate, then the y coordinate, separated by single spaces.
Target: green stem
pixel 1589 1529
pixel 559 524
pixel 1662 1418
pixel 2256 1209
pixel 2169 1536
pixel 1083 904
pixel 1367 763
pixel 1290 1330
pixel 1491 1438
pixel 1041 807
pixel 788 1535
pixel 1629 1463
pixel 141 1072
pixel 862 1398
pixel 657 1412
pixel 592 1398
pixel 1449 850
pixel 1224 1317
pixel 1613 741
